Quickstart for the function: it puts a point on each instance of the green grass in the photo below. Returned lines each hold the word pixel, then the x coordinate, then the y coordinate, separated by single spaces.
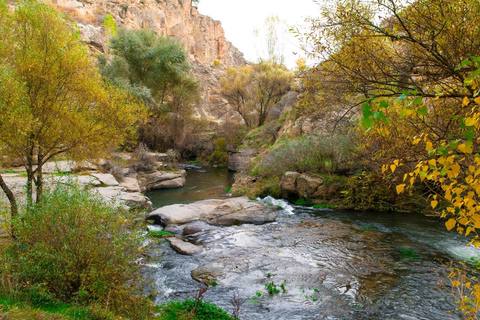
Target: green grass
pixel 204 310
pixel 27 307
pixel 303 202
pixel 159 234
pixel 408 254
pixel 272 288
pixel 330 206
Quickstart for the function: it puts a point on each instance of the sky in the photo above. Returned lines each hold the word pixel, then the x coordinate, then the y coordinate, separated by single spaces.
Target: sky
pixel 240 18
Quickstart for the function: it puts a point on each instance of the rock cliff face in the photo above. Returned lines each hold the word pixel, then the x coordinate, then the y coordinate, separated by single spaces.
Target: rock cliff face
pixel 202 36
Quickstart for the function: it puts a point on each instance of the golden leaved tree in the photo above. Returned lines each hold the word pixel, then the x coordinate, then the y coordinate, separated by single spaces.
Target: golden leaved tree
pixel 255 90
pixel 411 69
pixel 52 98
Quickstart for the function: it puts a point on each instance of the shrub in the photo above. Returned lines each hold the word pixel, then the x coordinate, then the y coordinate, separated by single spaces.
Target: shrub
pixel 219 156
pixel 316 154
pixel 74 247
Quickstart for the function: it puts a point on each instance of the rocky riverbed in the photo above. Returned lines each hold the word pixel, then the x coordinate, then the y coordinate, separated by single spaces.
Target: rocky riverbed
pixel 304 263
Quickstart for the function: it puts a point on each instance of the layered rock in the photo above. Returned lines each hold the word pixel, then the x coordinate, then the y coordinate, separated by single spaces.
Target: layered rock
pixel 202 36
pixel 228 212
pixel 239 160
pixel 162 179
pixel 296 185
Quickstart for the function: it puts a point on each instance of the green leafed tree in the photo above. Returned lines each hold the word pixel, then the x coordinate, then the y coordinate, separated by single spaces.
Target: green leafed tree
pixel 52 98
pixel 155 69
pixel 255 90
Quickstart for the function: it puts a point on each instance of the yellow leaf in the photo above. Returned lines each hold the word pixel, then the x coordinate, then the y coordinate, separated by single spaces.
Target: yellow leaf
pixel 432 162
pixel 470 122
pixel 396 162
pixel 450 224
pixel 468 284
pixel 455 169
pixel 384 167
pixel 400 188
pixel 428 146
pixel 393 167
pixel 455 283
pixel 477 100
pixel 462 147
pixel 465 102
pixel 434 203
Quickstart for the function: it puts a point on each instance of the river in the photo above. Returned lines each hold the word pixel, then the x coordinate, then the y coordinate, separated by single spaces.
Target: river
pixel 325 264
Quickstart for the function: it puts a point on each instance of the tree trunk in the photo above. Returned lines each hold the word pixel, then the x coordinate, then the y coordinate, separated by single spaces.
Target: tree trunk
pixel 30 178
pixel 39 182
pixel 13 205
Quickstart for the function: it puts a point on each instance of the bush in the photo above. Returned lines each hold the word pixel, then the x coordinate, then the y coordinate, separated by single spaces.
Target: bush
pixel 219 156
pixel 75 248
pixel 313 154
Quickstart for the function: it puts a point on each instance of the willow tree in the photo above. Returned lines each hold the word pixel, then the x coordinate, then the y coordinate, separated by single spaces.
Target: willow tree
pixel 155 69
pixel 52 98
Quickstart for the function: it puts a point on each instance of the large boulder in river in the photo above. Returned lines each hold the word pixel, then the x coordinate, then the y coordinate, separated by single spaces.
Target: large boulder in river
pixel 162 179
pixel 228 212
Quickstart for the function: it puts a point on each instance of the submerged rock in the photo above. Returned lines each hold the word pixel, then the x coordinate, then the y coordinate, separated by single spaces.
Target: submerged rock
pixel 234 211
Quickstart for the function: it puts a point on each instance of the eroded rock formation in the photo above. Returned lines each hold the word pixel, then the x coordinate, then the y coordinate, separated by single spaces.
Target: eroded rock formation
pixel 202 36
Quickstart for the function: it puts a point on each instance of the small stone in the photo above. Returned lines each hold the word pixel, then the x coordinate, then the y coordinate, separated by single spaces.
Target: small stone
pixel 183 247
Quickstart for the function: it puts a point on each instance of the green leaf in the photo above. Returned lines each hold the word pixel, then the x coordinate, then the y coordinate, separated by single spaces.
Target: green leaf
pixel 367 123
pixel 442 151
pixel 367 110
pixel 423 111
pixel 468 135
pixel 379 115
pixel 466 63
pixel 418 100
pixel 384 104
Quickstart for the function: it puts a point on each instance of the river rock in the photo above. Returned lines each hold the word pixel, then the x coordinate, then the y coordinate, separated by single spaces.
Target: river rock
pixel 234 211
pixel 59 167
pixel 162 179
pixel 307 185
pixel 189 230
pixel 289 181
pixel 106 179
pixel 131 184
pixel 238 160
pixel 118 196
pixel 183 247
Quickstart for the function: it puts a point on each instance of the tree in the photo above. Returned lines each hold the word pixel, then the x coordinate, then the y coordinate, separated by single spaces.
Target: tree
pixel 254 90
pixel 412 69
pixel 156 70
pixel 53 100
pixel 273 38
pixel 382 48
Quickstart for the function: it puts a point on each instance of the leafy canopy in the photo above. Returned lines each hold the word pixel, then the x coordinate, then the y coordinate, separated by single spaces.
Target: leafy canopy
pixel 53 100
pixel 255 90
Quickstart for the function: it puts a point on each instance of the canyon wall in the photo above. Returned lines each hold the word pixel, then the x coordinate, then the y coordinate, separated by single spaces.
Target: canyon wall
pixel 202 36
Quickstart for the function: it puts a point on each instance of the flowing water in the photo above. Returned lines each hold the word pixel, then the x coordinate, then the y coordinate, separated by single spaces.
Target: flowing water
pixel 325 264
